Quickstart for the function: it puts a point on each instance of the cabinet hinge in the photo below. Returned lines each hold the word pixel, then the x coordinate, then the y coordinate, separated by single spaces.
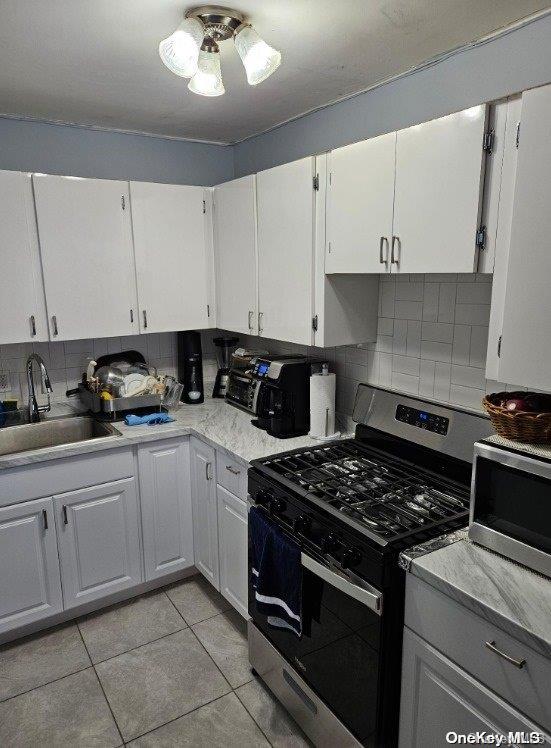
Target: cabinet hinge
pixel 517 141
pixel 488 141
pixel 480 240
pixel 315 323
pixel 204 206
pixel 316 182
pixel 123 202
pixel 499 347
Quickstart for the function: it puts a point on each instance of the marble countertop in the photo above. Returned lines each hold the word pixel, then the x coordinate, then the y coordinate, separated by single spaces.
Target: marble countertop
pixel 506 594
pixel 220 424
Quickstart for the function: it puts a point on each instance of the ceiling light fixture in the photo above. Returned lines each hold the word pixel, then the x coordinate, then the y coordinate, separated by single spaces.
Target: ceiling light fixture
pixel 192 50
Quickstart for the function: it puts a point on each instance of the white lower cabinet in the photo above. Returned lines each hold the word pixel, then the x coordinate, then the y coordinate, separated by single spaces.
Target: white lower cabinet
pixel 165 492
pixel 205 521
pixel 98 540
pixel 232 547
pixel 30 585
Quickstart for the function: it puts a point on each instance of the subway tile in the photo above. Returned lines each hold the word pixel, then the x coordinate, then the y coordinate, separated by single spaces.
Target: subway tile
pixel 373 367
pixel 446 302
pixel 77 360
pixel 408 309
pixel 384 343
pixel 402 277
pixel 437 332
pixel 355 355
pixel 478 347
pixel 405 365
pixel 466 277
pixel 57 354
pixel 346 394
pixel 385 326
pixel 474 293
pixel 413 347
pixel 484 277
pixel 440 277
pixel 461 344
pixel 405 383
pixel 468 376
pixel 114 345
pixel 410 291
pixel 426 378
pixel 442 375
pixel 77 346
pixel 472 314
pixel 430 302
pixel 467 397
pixel 385 369
pixel 356 371
pixel 493 386
pixel 386 299
pixel 399 342
pixel 101 347
pixel 436 351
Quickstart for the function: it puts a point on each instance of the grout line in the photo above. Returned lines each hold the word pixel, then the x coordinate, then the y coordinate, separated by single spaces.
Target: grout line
pixel 139 646
pixel 41 685
pixel 101 686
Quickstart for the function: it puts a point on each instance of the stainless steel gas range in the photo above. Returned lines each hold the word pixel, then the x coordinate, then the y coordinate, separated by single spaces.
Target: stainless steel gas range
pixel 352 506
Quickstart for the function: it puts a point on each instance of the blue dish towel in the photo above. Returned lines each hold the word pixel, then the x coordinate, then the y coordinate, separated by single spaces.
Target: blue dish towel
pixel 277 573
pixel 152 419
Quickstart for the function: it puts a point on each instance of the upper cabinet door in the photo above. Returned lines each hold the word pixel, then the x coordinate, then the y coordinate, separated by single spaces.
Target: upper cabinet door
pixel 525 354
pixel 171 265
pixel 439 175
pixel 86 246
pixel 235 255
pixel 22 309
pixel 285 203
pixel 360 199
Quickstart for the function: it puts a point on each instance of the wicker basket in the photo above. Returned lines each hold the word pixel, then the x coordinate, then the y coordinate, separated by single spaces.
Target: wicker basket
pixel 518 425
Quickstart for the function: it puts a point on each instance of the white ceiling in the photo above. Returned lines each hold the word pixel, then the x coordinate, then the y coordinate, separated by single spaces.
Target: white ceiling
pixel 95 62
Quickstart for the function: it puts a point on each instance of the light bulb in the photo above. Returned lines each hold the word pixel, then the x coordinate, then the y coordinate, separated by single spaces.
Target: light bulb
pixel 207 81
pixel 180 51
pixel 259 59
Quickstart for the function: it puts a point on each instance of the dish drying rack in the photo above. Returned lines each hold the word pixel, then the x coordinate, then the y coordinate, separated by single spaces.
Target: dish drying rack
pixel 117 405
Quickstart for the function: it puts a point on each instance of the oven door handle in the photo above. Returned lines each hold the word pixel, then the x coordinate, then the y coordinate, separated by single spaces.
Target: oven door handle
pixel 362 591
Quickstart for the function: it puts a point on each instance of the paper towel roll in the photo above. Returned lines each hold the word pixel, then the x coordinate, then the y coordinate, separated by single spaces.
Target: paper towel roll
pixel 322 406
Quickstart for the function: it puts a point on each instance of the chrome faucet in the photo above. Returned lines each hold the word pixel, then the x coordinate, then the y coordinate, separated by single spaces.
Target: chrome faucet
pixel 34 408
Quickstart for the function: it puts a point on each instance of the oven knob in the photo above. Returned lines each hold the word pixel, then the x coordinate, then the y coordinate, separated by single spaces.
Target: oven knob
pixel 350 557
pixel 277 506
pixel 302 524
pixel 330 544
pixel 263 498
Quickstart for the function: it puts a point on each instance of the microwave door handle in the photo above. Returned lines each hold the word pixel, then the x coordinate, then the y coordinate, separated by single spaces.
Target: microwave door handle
pixel 362 591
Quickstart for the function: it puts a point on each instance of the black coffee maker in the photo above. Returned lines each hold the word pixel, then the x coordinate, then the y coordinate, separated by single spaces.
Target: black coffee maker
pixel 224 349
pixel 283 395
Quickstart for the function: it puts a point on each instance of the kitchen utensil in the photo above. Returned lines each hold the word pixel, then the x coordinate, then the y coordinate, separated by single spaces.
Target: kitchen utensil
pixel 110 378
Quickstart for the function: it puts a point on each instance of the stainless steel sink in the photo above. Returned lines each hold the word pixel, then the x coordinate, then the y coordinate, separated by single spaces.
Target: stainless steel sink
pixel 52 433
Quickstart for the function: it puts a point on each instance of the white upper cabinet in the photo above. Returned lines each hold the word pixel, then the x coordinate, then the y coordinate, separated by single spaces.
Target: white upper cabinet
pixel 286 204
pixel 86 246
pixel 22 309
pixel 360 197
pixel 439 176
pixel 168 223
pixel 235 255
pixel 521 298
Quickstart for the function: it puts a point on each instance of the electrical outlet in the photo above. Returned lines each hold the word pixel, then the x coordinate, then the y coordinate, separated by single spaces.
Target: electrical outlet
pixel 5 384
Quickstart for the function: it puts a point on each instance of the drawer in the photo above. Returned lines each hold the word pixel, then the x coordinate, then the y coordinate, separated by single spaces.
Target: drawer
pixel 231 475
pixel 461 636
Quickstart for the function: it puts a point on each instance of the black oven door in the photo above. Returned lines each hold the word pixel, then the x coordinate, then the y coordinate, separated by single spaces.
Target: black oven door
pixel 338 652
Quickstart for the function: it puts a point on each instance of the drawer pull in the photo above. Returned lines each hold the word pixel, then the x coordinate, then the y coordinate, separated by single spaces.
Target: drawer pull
pixel 232 470
pixel 517 663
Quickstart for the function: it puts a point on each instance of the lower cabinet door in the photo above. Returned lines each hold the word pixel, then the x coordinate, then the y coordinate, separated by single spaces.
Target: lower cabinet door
pixel 232 546
pixel 165 493
pixel 205 520
pixel 439 698
pixel 30 585
pixel 99 542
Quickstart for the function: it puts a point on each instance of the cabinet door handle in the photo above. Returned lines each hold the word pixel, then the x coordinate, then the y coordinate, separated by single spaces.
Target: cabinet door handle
pixel 54 324
pixel 33 326
pixel 232 470
pixel 208 470
pixel 395 242
pixel 382 242
pixel 64 514
pixel 517 663
pixel 45 519
pixel 144 319
pixel 260 318
pixel 131 315
pixel 251 321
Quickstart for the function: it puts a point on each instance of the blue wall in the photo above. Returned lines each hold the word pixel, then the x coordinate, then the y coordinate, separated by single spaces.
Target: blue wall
pixel 514 62
pixel 80 152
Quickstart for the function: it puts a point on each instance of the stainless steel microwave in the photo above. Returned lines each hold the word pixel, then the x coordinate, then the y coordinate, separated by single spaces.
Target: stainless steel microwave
pixel 511 504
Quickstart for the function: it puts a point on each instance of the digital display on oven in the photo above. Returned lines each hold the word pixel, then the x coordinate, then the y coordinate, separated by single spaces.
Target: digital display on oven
pixel 422 419
pixel 262 368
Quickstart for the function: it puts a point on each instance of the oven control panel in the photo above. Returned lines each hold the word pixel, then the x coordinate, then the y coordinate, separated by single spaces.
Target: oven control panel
pixel 422 419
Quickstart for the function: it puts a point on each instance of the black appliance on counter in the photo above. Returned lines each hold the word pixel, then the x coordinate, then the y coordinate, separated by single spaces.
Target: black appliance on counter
pixel 352 506
pixel 224 350
pixel 275 389
pixel 190 367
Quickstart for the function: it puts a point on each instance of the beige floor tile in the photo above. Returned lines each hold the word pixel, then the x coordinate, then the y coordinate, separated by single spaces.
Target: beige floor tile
pixel 196 599
pixel 225 639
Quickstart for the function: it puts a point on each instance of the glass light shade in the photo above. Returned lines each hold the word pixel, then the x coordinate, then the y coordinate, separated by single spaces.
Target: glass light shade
pixel 259 59
pixel 180 51
pixel 207 81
